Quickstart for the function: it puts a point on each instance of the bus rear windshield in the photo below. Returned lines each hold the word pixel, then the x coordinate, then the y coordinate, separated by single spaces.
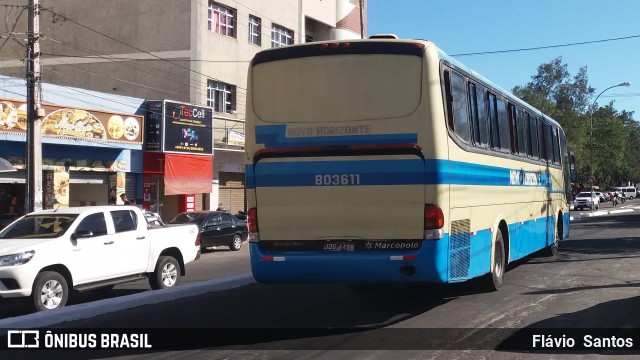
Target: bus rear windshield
pixel 337 88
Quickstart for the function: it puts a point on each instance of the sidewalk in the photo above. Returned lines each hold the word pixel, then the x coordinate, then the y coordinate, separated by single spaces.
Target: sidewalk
pixel 605 209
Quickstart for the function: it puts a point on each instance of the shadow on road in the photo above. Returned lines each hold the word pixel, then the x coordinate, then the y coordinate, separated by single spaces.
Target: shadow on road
pixel 599 329
pixel 17 307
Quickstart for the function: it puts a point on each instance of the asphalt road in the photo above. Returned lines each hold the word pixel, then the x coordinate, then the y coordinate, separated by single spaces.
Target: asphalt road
pixel 591 284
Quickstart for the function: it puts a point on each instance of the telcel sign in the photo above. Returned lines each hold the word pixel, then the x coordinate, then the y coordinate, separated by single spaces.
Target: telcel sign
pixel 182 128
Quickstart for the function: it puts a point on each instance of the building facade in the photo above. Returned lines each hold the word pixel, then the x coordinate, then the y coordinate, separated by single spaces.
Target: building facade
pixel 186 51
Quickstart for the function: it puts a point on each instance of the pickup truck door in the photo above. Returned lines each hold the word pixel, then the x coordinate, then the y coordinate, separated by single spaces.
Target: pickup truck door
pixel 93 254
pixel 132 244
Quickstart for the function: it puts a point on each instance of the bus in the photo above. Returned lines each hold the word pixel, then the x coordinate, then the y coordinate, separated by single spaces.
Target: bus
pixel 383 160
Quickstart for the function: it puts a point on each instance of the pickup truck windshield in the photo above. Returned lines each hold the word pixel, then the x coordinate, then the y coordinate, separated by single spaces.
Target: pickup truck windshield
pixel 39 226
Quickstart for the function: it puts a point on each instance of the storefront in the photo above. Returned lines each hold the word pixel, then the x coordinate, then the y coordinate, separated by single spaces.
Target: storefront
pixel 178 158
pixel 228 170
pixel 88 156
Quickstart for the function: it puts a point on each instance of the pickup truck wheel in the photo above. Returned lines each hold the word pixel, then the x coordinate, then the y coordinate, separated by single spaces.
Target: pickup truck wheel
pixel 167 273
pixel 50 291
pixel 236 243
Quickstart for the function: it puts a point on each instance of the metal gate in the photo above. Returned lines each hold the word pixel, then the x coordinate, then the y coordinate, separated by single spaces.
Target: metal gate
pixel 231 191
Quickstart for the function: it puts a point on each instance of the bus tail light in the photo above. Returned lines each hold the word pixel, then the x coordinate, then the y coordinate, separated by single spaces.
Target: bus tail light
pixel 252 224
pixel 433 222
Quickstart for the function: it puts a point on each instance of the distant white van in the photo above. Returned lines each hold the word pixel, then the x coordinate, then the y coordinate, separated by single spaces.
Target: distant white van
pixel 629 191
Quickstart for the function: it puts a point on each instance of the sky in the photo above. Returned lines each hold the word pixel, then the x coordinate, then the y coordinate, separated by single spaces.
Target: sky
pixel 467 26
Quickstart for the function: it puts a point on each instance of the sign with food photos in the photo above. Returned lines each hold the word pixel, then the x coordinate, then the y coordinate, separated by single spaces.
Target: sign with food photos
pixel 74 123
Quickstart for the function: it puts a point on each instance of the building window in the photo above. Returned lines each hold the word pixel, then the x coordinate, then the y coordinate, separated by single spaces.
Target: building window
pixel 254 30
pixel 281 36
pixel 222 19
pixel 221 97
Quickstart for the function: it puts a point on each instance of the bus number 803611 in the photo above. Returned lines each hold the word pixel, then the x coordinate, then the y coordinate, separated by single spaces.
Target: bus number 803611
pixel 337 179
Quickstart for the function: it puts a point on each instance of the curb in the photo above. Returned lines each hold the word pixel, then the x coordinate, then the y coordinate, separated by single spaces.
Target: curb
pixel 600 213
pixel 101 307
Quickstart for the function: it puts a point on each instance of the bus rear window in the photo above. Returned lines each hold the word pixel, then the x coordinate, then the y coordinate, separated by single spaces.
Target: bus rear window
pixel 336 88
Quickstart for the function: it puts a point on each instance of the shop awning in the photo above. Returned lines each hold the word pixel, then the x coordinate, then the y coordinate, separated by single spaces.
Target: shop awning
pixel 187 174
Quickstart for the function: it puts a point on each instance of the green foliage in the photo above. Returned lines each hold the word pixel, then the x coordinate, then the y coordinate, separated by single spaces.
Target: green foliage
pixel 610 149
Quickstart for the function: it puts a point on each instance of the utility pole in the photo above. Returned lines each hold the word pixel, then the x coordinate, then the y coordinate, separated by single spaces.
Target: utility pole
pixel 361 20
pixel 33 195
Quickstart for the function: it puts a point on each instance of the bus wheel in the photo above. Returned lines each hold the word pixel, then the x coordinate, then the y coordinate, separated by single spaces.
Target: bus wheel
pixel 494 278
pixel 552 250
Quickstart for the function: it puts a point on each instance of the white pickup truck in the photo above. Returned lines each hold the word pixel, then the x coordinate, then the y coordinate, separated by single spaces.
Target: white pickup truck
pixel 48 254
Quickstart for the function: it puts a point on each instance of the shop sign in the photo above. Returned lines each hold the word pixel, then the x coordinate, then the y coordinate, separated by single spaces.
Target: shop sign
pixel 154 125
pixel 187 128
pixel 74 123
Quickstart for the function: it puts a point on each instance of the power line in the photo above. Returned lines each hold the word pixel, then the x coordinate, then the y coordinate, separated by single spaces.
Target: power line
pixel 118 60
pixel 11 32
pixel 137 59
pixel 128 65
pixel 129 45
pixel 114 78
pixel 548 46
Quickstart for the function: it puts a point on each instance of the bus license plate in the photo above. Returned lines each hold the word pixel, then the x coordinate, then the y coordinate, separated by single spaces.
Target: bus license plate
pixel 339 247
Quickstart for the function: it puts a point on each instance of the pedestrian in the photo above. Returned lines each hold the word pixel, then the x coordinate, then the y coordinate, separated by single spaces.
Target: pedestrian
pixel 124 199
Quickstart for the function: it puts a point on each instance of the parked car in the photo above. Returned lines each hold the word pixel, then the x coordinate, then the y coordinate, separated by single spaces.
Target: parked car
pixel 48 254
pixel 587 200
pixel 217 228
pixel 604 197
pixel 153 218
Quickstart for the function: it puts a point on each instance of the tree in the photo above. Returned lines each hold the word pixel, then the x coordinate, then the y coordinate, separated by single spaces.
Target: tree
pixel 568 100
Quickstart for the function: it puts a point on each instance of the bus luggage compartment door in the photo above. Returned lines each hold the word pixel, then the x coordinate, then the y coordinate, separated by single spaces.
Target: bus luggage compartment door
pixel 333 198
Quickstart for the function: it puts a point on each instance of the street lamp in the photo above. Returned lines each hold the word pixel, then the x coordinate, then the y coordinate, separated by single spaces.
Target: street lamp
pixel 591 177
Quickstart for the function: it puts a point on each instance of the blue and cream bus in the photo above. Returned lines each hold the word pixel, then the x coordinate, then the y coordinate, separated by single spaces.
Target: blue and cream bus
pixel 385 160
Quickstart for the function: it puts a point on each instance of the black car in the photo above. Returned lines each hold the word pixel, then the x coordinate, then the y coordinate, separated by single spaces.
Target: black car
pixel 216 228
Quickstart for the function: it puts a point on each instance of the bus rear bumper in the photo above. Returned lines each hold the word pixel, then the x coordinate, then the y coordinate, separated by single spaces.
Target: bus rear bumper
pixel 422 265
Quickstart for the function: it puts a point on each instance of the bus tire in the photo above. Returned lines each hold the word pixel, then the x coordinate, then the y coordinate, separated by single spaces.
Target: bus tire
pixel 498 264
pixel 552 250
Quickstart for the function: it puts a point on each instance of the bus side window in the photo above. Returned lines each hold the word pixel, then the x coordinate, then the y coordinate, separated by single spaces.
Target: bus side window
pixel 512 129
pixel 457 108
pixel 544 154
pixel 532 127
pixel 556 146
pixel 548 142
pixel 521 132
pixel 477 100
pixel 493 122
pixel 503 124
pixel 518 130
